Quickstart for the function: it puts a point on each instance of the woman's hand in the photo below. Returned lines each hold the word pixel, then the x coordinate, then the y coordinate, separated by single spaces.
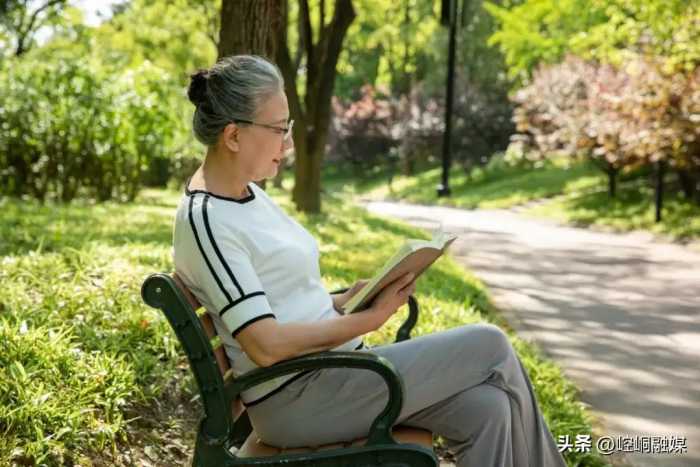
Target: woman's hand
pixel 340 300
pixel 390 299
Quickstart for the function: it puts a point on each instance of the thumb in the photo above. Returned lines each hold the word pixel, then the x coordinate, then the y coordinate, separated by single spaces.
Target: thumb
pixel 407 278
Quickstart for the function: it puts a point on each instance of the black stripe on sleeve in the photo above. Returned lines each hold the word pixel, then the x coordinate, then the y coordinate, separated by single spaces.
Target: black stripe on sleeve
pixel 216 248
pixel 204 255
pixel 251 321
pixel 236 302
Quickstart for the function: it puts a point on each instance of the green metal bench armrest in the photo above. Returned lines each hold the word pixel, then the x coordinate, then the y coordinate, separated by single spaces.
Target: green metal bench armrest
pixel 380 431
pixel 404 332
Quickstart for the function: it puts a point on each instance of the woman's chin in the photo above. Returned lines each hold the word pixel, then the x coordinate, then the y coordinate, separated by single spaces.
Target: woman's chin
pixel 270 174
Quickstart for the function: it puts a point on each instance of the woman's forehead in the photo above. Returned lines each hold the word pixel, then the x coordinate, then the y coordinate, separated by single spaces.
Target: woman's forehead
pixel 275 109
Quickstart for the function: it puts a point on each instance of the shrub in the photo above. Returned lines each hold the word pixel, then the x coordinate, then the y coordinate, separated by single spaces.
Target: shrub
pixel 69 128
pixel 380 130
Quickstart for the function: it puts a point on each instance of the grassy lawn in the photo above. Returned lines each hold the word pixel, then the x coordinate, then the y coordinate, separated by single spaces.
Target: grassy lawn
pixel 90 375
pixel 576 194
pixel 496 186
pixel 632 209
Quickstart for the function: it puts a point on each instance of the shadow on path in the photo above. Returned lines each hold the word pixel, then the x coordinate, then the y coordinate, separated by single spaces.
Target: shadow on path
pixel 619 312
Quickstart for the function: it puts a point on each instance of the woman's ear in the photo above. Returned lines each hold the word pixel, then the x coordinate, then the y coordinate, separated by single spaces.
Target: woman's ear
pixel 230 137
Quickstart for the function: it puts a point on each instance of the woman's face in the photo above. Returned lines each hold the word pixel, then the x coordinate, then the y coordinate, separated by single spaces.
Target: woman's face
pixel 262 149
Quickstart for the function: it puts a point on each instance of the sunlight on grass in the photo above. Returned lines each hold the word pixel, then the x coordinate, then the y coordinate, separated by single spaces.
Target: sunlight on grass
pixel 632 209
pixel 497 186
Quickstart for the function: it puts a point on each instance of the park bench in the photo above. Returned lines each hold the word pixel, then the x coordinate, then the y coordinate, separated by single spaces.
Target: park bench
pixel 225 436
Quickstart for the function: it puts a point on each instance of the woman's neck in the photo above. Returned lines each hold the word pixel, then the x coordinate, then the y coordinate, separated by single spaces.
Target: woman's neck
pixel 218 175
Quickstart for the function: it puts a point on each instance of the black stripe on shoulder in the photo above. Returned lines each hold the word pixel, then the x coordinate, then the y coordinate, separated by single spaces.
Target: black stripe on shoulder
pixel 251 321
pixel 216 247
pixel 236 302
pixel 204 255
pixel 362 344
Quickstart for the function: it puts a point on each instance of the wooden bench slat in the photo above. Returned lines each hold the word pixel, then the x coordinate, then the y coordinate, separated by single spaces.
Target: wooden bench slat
pixel 254 447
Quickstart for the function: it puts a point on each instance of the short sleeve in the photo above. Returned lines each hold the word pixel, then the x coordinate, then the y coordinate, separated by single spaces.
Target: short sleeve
pixel 226 275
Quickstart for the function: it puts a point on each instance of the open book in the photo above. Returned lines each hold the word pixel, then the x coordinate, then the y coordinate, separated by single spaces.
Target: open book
pixel 414 256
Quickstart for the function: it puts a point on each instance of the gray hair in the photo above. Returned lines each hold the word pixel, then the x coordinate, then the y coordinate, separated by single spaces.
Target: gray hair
pixel 232 89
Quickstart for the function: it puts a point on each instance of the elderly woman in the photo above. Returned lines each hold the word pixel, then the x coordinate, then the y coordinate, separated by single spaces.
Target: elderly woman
pixel 257 271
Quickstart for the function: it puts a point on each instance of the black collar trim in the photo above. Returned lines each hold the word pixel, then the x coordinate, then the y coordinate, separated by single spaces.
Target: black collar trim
pixel 248 198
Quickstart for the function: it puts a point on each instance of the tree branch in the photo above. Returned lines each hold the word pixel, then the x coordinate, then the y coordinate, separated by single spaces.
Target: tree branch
pixel 22 35
pixel 305 23
pixel 343 16
pixel 322 19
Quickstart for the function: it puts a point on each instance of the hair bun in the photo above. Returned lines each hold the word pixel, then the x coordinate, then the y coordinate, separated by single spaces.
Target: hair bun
pixel 197 92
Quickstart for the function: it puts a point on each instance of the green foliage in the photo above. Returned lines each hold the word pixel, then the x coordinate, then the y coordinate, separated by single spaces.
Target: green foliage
pixel 481 62
pixel 177 36
pixel 615 31
pixel 396 45
pixel 97 111
pixel 540 31
pixel 72 128
pixel 634 28
pixel 389 44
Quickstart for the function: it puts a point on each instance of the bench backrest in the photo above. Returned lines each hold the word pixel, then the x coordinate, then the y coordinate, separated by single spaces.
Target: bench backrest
pixel 208 362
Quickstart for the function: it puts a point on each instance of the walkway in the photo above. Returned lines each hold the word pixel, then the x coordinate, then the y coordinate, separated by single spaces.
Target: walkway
pixel 619 312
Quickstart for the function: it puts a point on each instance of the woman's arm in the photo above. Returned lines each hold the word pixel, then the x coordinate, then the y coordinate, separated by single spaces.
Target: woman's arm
pixel 267 341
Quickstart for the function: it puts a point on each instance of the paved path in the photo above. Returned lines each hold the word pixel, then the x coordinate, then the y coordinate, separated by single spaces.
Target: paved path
pixel 619 312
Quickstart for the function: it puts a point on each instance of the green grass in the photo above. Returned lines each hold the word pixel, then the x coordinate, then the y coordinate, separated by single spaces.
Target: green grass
pixel 89 374
pixel 494 186
pixel 632 209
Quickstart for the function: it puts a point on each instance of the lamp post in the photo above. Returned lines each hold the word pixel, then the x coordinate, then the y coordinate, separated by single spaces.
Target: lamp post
pixel 449 14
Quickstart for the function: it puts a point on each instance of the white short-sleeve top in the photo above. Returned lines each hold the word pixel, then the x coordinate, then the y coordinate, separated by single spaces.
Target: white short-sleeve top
pixel 247 260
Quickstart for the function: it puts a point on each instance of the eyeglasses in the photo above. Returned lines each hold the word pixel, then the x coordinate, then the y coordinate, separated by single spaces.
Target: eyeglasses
pixel 286 132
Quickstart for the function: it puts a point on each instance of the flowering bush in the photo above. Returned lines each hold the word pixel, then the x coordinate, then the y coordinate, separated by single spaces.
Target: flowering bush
pixel 623 118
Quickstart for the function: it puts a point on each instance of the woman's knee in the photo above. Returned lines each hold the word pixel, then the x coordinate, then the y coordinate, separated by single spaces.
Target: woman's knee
pixel 492 340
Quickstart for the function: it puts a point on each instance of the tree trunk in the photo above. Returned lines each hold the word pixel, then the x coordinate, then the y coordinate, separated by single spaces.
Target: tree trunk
pixel 687 185
pixel 313 114
pixel 252 27
pixel 307 197
pixel 612 181
pixel 660 171
pixel 405 86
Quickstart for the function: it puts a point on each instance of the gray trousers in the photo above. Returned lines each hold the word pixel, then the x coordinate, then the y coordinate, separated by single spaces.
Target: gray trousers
pixel 466 384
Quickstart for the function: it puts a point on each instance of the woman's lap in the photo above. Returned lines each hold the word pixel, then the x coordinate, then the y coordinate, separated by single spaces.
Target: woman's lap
pixel 335 405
